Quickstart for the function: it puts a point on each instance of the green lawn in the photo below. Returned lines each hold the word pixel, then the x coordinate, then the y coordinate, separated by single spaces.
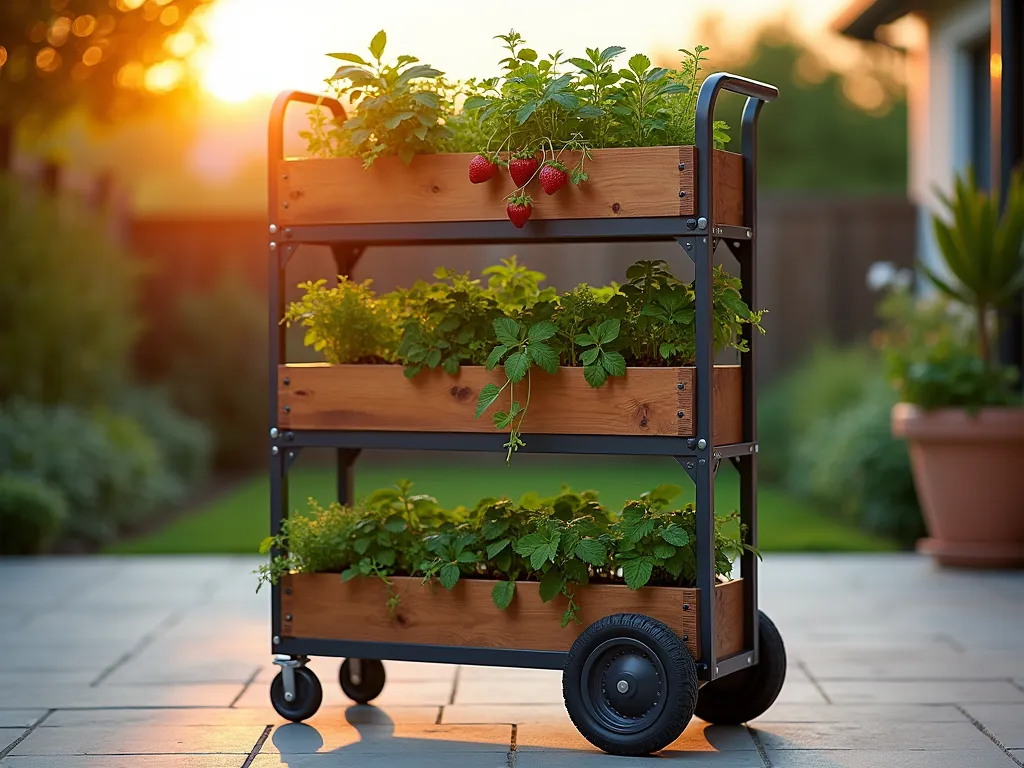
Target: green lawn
pixel 237 521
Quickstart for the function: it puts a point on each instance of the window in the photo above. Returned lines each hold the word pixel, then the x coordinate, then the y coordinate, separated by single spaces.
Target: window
pixel 979 104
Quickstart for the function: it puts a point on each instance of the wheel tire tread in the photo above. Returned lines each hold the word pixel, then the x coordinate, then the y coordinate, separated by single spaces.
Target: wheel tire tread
pixel 679 662
pixel 310 691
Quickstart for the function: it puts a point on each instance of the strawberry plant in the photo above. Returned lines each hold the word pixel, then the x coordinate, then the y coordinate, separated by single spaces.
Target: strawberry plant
pixel 561 542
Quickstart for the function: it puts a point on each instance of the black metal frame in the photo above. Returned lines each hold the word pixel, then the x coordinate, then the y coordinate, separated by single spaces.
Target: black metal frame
pixel 698 456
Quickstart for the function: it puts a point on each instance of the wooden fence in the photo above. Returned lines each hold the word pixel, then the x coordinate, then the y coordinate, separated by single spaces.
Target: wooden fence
pixel 813 260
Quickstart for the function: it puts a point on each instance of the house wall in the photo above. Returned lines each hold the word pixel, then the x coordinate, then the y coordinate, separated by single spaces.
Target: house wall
pixel 940 108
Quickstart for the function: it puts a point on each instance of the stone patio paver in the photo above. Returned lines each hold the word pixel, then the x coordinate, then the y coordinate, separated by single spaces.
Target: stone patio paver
pixel 152 662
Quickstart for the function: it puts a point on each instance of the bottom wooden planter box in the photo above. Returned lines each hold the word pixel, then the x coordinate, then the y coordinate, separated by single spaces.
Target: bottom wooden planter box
pixel 322 606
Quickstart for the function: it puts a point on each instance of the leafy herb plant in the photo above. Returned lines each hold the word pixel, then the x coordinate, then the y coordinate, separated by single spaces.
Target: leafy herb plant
pixel 562 542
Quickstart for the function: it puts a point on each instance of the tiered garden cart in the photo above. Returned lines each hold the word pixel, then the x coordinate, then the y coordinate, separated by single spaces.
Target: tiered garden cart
pixel 642 662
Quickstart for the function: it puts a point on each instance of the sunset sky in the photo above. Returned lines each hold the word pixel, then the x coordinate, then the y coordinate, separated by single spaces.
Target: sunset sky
pixel 260 47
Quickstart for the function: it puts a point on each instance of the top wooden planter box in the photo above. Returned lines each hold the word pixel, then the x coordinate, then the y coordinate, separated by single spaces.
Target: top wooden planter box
pixel 624 183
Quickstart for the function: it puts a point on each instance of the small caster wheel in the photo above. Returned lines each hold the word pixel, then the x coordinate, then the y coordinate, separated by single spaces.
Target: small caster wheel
pixel 308 695
pixel 361 680
pixel 630 684
pixel 747 694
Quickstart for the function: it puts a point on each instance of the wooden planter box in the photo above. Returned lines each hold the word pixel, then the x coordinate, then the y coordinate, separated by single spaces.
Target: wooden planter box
pixel 323 607
pixel 623 183
pixel 646 401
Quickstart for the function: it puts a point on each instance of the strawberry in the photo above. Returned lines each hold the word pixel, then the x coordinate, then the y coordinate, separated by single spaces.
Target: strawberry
pixel 519 209
pixel 521 169
pixel 481 169
pixel 553 176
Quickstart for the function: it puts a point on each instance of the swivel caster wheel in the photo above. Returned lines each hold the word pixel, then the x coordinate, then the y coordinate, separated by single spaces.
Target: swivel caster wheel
pixel 747 694
pixel 303 701
pixel 362 680
pixel 630 684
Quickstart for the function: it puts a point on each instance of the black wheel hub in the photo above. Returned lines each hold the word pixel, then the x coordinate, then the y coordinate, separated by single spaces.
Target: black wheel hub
pixel 626 685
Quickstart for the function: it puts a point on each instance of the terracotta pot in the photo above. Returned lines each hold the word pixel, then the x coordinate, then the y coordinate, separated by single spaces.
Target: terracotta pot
pixel 969 474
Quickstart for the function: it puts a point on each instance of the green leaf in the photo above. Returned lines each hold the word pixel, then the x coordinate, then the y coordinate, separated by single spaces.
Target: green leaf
pixel 544 356
pixel 433 358
pixel 585 340
pixel 664 551
pixel 495 357
pixel 585 64
pixel 591 551
pixel 551 585
pixel 595 375
pixel 610 53
pixel 516 366
pixel 541 331
pixel 495 547
pixel 607 331
pixel 362 545
pixel 449 575
pixel 395 120
pixel 665 492
pixel 589 356
pixel 266 544
pixel 676 536
pixel 507 331
pixel 524 112
pixel 349 573
pixel 637 572
pixel 466 557
pixel 377 44
pixel 475 102
pixel 639 63
pixel 355 59
pixel 420 71
pixel 502 594
pixel 386 557
pixel 527 54
pixel 395 524
pixel 529 544
pixel 488 394
pixel 614 363
pixel 502 419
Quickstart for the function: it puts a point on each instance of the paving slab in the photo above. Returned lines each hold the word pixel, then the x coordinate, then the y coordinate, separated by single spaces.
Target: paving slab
pixel 140 740
pixel 859 713
pixel 19 718
pixel 126 761
pixel 551 714
pixel 872 736
pixel 921 692
pixel 397 739
pixel 889 759
pixel 489 685
pixel 385 760
pixel 698 737
pixel 56 696
pixel 217 716
pixel 1004 721
pixel 542 758
pixel 10 735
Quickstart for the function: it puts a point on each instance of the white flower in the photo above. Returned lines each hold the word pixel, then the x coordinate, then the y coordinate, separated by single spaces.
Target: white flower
pixel 881 274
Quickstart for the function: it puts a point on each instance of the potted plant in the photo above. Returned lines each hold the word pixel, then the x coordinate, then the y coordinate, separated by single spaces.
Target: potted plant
pixel 960 412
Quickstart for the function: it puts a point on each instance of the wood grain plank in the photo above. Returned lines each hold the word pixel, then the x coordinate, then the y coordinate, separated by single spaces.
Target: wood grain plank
pixel 646 401
pixel 728 188
pixel 629 182
pixel 324 607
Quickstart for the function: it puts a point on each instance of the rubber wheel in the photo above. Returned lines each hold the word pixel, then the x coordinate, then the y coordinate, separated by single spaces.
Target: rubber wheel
pixel 370 684
pixel 630 684
pixel 308 696
pixel 745 695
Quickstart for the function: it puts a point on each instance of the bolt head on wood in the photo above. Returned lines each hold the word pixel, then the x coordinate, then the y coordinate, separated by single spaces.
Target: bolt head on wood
pixel 273 245
pixel 273 432
pixel 273 229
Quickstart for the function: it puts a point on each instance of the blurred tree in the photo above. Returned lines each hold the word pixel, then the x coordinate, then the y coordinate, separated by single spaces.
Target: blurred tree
pixel 105 57
pixel 841 130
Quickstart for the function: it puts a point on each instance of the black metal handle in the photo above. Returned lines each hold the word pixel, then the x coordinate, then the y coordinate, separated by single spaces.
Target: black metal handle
pixel 276 129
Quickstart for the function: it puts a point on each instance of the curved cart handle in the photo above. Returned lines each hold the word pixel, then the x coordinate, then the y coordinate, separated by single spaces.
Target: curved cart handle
pixel 277 112
pixel 757 94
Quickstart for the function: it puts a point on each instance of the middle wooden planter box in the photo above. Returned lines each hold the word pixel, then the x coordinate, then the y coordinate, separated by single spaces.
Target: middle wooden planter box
pixel 646 401
pixel 322 606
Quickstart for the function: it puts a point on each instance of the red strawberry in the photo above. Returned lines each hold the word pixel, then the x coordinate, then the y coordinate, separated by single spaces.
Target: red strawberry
pixel 553 176
pixel 519 209
pixel 481 169
pixel 521 169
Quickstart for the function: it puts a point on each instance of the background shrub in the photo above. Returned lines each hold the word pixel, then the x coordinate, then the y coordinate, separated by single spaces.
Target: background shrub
pixel 67 303
pixel 218 368
pixel 31 515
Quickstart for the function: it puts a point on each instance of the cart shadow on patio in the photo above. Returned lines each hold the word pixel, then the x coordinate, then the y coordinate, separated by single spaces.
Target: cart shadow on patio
pixel 376 736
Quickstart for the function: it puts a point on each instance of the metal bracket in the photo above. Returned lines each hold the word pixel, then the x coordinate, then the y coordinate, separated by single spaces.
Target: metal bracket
pixel 690 464
pixel 284 254
pixel 687 246
pixel 288 665
pixel 291 456
pixel 346 257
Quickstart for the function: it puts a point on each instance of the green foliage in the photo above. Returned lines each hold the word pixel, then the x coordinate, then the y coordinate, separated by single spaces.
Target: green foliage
pixel 930 347
pixel 108 469
pixel 825 433
pixel 534 105
pixel 346 323
pixel 562 542
pixel 648 321
pixel 31 515
pixel 399 108
pixel 981 248
pixel 217 365
pixel 67 303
